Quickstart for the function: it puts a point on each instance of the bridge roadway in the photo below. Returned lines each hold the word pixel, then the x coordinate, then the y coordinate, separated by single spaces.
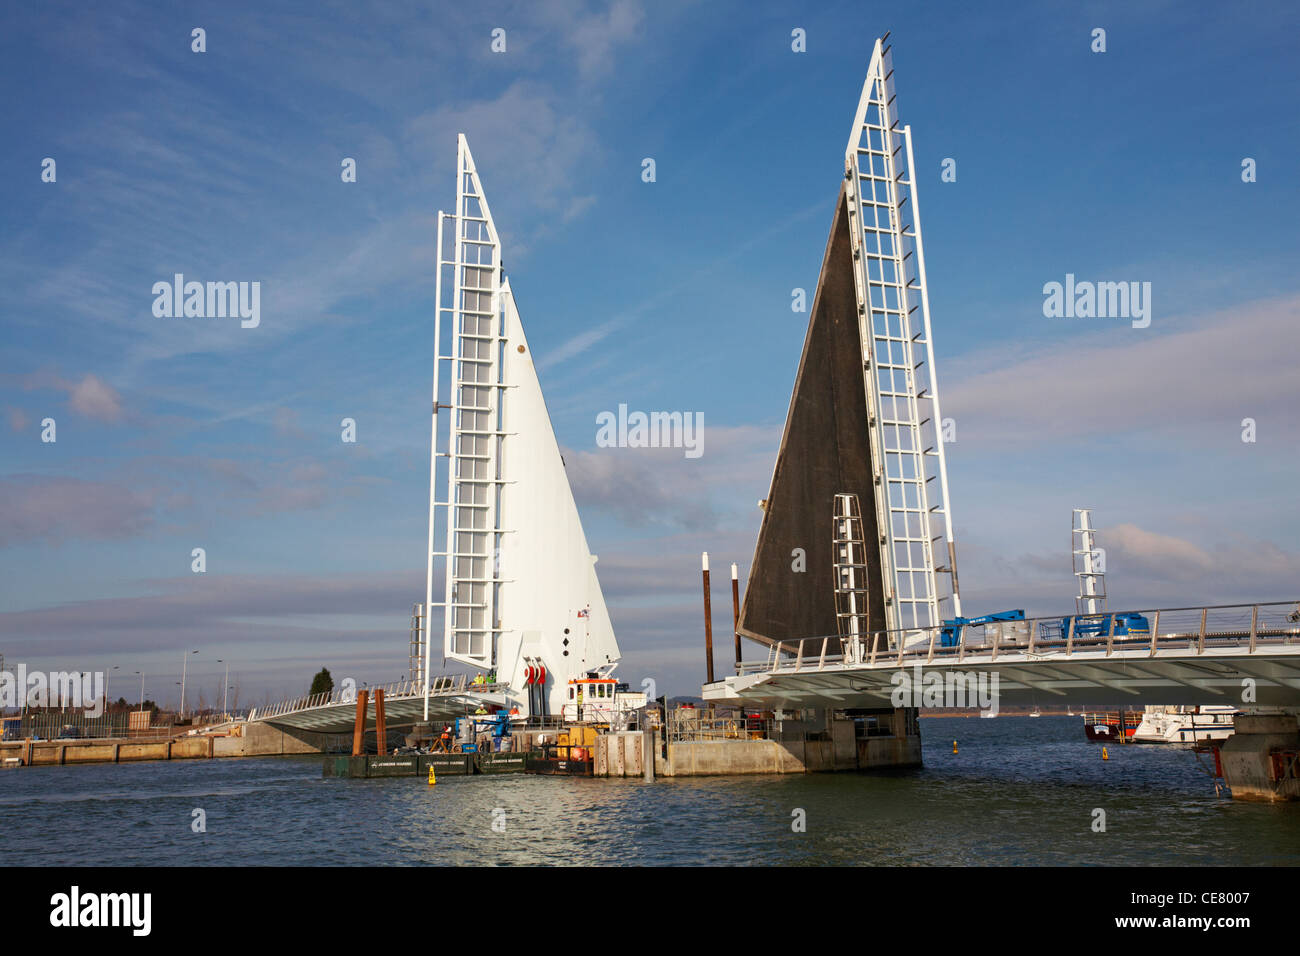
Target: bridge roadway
pixel 449 697
pixel 1187 656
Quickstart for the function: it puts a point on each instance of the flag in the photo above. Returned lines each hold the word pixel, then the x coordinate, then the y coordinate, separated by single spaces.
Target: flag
pixel 585 612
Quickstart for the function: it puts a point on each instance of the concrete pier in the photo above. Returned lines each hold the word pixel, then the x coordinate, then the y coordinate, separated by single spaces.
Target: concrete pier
pixel 814 740
pixel 1261 760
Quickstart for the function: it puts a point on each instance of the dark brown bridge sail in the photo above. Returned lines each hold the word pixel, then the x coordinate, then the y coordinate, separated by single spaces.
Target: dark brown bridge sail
pixel 824 452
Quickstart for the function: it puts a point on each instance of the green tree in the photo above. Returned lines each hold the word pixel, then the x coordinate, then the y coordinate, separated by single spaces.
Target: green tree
pixel 322 683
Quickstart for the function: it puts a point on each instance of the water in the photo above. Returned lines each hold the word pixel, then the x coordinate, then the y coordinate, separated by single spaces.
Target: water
pixel 1021 791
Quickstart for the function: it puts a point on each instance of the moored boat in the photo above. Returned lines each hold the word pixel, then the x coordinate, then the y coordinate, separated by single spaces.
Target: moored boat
pixel 1185 725
pixel 1110 727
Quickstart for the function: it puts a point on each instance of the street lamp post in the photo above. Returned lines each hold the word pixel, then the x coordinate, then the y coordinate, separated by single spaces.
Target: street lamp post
pixel 225 690
pixel 184 661
pixel 106 673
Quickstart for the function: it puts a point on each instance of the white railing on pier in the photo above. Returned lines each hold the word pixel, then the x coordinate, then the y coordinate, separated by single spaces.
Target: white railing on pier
pixel 1203 631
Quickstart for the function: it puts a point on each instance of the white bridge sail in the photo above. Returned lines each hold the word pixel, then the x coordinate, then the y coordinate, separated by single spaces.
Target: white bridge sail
pixel 520 591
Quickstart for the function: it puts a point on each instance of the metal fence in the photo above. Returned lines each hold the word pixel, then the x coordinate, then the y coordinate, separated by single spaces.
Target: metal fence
pixel 1196 629
pixel 688 724
pixel 69 726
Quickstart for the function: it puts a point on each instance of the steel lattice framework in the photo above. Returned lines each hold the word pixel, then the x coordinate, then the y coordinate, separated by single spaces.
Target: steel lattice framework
pixel 903 416
pixel 477 394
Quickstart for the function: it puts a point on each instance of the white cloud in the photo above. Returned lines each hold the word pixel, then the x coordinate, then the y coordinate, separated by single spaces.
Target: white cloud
pixel 596 35
pixel 96 399
pixel 1182 376
pixel 530 147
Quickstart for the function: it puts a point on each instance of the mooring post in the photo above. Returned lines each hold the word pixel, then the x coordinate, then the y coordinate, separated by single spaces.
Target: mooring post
pixel 735 611
pixel 359 727
pixel 647 747
pixel 381 723
pixel 708 624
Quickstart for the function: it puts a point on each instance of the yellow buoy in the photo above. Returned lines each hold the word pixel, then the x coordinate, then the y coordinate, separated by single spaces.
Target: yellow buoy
pixel 432 778
pixel 1104 755
pixel 954 746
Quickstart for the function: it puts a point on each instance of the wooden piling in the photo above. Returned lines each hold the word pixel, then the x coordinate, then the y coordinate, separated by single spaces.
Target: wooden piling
pixel 381 724
pixel 359 726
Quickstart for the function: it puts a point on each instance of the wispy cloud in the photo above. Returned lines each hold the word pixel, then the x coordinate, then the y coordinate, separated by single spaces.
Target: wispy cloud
pixel 1186 375
pixel 54 509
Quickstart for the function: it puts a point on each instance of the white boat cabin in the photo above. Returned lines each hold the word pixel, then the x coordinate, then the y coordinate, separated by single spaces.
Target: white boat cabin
pixel 599 700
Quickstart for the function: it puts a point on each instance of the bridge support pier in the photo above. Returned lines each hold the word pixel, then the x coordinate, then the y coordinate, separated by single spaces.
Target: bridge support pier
pixel 1261 760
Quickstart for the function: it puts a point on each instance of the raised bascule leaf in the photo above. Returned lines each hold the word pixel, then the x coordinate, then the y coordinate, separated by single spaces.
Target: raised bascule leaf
pixel 864 417
pixel 519 582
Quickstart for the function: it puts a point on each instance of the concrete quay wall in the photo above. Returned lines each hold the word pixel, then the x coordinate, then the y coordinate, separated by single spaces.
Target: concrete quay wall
pixel 244 740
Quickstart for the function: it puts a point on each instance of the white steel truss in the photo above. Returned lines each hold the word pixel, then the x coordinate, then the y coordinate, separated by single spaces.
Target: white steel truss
pixel 852 576
pixel 903 418
pixel 472 514
pixel 1089 564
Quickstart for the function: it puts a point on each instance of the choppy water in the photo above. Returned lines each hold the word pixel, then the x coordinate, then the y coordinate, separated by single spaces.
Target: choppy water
pixel 1019 791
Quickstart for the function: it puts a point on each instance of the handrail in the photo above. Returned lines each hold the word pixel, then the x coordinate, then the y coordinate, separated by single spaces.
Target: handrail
pixel 443 685
pixel 1231 625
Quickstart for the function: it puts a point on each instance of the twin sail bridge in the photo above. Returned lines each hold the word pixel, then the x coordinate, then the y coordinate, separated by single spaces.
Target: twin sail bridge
pixel 859 499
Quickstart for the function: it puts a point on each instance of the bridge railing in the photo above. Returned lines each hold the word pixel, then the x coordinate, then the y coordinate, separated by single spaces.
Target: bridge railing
pixel 443 685
pixel 1248 627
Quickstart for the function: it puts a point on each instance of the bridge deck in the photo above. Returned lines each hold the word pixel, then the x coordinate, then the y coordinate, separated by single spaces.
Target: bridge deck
pixel 449 697
pixel 1187 656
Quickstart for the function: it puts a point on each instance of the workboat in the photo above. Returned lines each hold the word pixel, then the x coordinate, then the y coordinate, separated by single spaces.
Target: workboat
pixel 600 699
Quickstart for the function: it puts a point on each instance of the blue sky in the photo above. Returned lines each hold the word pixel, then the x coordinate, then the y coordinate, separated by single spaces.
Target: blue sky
pixel 672 295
